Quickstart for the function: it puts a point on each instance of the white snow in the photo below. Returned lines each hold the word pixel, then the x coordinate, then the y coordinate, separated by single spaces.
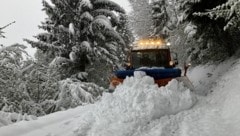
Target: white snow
pixel 86 3
pixel 71 29
pixel 9 118
pixel 190 30
pixel 134 104
pixel 150 68
pixel 74 92
pixel 139 108
pixel 86 46
pixel 87 16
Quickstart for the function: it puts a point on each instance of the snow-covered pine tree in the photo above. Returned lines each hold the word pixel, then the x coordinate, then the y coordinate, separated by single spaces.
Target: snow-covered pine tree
pixel 1 29
pixel 1 34
pixel 7 118
pixel 177 24
pixel 229 11
pixel 168 14
pixel 14 92
pixel 196 38
pixel 140 18
pixel 215 43
pixel 105 70
pixel 42 83
pixel 127 35
pixel 79 32
pixel 27 87
pixel 124 30
pixel 159 16
pixel 74 93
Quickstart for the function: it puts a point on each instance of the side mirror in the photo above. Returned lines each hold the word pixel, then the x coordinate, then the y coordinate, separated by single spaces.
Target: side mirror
pixel 173 63
pixel 114 68
pixel 127 66
pixel 176 62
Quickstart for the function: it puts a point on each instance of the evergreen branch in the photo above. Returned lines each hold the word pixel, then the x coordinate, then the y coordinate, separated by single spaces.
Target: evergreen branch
pixel 109 5
pixel 7 25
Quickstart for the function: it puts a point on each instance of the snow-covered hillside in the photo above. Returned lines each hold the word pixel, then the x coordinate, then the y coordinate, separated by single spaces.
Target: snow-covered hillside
pixel 139 107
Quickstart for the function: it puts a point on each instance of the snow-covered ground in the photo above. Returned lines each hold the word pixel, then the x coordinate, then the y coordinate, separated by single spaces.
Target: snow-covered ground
pixel 139 107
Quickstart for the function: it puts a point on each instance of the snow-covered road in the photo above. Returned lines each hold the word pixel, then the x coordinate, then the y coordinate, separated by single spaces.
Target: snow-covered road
pixel 139 107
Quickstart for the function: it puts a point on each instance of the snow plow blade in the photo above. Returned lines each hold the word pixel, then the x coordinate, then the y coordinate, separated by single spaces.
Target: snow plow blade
pixel 161 82
pixel 186 82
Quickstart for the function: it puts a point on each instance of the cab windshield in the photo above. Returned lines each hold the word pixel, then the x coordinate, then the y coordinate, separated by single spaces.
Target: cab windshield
pixel 152 58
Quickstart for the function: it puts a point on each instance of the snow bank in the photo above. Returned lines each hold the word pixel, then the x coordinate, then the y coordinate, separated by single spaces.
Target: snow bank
pixel 215 114
pixel 74 93
pixel 205 77
pixel 218 113
pixel 135 104
pixel 226 95
pixel 9 118
pixel 139 108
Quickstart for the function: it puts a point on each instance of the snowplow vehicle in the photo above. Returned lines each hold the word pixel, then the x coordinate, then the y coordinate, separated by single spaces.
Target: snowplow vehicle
pixel 152 56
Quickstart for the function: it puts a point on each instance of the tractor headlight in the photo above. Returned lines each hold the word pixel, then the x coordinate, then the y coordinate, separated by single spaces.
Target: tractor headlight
pixel 168 44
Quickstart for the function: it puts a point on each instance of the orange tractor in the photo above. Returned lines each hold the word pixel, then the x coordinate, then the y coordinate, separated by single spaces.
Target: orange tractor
pixel 152 56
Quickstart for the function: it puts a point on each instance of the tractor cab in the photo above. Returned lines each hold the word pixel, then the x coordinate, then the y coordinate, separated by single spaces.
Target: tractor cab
pixel 152 56
pixel 152 53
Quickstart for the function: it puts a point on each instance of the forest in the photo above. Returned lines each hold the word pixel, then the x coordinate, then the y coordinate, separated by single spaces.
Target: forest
pixel 84 39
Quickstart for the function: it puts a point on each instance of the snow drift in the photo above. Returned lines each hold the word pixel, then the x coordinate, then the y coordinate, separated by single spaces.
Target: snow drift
pixel 133 105
pixel 215 114
pixel 139 108
pixel 10 118
pixel 75 92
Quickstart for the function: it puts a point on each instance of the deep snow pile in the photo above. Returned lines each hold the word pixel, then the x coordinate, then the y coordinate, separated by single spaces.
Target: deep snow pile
pixel 139 108
pixel 220 108
pixel 134 104
pixel 75 92
pixel 215 114
pixel 206 77
pixel 9 118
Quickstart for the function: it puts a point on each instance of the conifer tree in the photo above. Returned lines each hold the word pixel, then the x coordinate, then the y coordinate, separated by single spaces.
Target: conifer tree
pixel 195 27
pixel 229 11
pixel 126 33
pixel 15 90
pixel 141 18
pixel 1 29
pixel 79 32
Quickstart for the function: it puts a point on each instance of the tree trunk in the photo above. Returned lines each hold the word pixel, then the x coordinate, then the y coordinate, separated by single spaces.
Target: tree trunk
pixel 83 62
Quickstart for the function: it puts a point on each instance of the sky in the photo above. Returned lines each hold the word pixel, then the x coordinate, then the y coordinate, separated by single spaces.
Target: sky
pixel 28 14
